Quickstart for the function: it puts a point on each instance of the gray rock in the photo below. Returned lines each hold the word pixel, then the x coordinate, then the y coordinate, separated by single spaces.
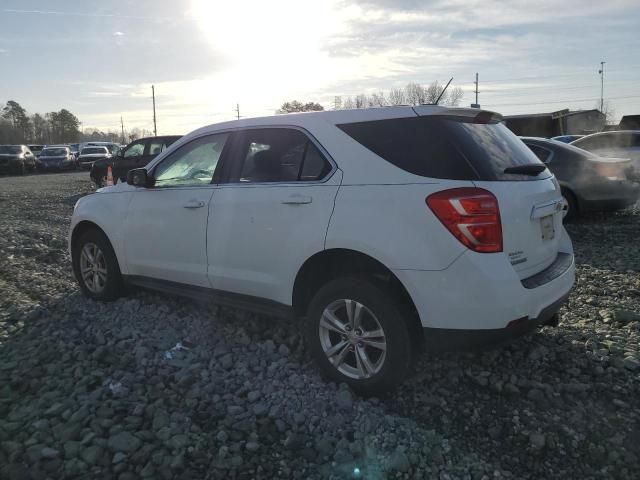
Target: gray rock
pixel 537 440
pixel 118 457
pixel 222 436
pixel 344 399
pixel 49 453
pixel 283 350
pixel 124 442
pixel 253 396
pixel 91 455
pixel 399 461
pixel 631 363
pixel 252 446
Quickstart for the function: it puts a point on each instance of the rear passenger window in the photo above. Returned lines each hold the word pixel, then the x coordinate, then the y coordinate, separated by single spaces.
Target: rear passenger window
pixel 454 148
pixel 278 155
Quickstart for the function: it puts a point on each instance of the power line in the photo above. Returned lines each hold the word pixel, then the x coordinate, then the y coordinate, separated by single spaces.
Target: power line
pixel 533 102
pixel 567 75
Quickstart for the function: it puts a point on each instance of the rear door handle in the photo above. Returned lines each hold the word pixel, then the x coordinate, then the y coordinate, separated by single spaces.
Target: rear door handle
pixel 297 199
pixel 194 204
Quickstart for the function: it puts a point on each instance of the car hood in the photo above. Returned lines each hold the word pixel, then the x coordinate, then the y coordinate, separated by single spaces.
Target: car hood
pixel 118 187
pixel 57 157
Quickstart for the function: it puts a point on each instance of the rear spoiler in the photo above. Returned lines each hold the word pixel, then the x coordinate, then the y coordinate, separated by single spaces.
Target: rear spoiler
pixel 472 115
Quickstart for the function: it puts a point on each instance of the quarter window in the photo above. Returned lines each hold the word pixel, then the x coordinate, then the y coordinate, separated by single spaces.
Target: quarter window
pixel 156 147
pixel 192 164
pixel 279 155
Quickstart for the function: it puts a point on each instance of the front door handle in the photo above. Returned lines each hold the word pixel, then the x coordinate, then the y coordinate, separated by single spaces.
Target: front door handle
pixel 194 204
pixel 297 199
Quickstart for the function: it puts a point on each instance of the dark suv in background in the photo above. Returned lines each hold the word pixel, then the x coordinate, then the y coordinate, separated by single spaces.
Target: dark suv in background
pixel 135 155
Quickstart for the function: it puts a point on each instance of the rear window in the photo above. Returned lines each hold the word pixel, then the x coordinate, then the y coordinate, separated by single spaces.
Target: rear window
pixel 94 150
pixel 54 152
pixel 451 148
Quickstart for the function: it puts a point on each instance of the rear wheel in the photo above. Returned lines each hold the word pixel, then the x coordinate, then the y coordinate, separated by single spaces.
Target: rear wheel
pixel 358 334
pixel 570 205
pixel 96 267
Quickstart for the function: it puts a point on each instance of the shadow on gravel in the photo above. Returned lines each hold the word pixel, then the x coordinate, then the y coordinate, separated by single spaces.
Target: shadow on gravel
pixel 74 198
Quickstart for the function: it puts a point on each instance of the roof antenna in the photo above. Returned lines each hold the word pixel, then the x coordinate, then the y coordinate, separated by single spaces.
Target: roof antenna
pixel 443 90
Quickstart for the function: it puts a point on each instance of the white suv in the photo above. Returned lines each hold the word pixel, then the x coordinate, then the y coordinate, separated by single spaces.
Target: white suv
pixel 379 230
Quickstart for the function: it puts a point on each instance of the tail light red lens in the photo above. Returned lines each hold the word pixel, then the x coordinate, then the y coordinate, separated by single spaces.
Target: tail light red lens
pixel 472 215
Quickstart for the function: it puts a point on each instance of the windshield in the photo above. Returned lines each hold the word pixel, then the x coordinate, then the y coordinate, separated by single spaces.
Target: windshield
pixel 54 152
pixel 10 149
pixel 94 150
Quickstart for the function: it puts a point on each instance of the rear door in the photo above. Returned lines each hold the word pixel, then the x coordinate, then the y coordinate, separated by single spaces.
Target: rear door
pixel 530 205
pixel 271 212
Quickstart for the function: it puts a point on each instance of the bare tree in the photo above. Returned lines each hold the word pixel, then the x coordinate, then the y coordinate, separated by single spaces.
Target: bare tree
pixel 396 96
pixel 378 100
pixel 608 111
pixel 454 96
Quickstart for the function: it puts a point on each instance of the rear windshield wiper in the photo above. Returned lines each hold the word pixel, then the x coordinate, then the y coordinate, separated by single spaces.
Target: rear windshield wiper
pixel 530 169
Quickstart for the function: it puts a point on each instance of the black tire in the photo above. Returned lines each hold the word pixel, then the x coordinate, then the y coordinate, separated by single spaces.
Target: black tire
pixel 22 169
pixel 571 206
pixel 391 315
pixel 113 286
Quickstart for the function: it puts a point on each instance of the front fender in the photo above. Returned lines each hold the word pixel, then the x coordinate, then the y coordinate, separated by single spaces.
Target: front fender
pixel 107 209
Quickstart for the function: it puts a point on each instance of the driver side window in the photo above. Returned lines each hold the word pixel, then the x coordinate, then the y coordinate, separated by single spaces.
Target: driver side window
pixel 192 164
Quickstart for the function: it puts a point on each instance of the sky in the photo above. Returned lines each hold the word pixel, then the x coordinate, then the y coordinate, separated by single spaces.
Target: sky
pixel 99 58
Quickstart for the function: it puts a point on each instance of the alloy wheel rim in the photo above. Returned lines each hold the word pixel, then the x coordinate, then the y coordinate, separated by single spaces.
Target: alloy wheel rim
pixel 93 268
pixel 352 339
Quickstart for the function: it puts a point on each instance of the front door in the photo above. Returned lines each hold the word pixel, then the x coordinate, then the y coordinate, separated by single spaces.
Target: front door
pixel 167 223
pixel 271 213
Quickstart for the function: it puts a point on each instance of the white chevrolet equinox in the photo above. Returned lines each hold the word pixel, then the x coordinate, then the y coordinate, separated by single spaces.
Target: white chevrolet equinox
pixel 380 230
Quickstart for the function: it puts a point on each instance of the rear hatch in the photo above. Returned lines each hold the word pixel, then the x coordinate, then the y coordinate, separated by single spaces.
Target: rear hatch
pixel 530 202
pixel 472 144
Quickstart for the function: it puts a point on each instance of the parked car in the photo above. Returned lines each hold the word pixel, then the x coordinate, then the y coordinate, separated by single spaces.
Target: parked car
pixel 36 149
pixel 616 144
pixel 378 229
pixel 57 158
pixel 89 155
pixel 135 155
pixel 567 138
pixel 75 149
pixel 587 182
pixel 16 159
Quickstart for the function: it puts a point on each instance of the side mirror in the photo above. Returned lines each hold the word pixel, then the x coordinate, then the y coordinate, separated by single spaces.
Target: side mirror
pixel 138 177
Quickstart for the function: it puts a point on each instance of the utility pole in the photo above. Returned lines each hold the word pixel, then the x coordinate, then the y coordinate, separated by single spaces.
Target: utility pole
pixel 153 95
pixel 601 72
pixel 122 128
pixel 477 88
pixel 238 110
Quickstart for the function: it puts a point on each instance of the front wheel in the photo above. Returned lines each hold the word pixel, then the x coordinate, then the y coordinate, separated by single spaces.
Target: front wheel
pixel 358 334
pixel 96 267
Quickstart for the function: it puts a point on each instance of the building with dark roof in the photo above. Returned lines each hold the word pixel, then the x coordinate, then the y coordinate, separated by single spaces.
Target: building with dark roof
pixel 563 122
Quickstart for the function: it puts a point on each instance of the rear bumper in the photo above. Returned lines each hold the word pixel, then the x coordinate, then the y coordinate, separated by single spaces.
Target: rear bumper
pixel 483 292
pixel 446 339
pixel 619 195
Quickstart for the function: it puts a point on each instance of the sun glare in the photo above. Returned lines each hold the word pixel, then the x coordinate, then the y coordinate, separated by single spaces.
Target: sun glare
pixel 276 32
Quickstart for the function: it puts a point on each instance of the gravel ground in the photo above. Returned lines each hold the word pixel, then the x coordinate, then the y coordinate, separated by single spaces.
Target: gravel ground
pixel 157 387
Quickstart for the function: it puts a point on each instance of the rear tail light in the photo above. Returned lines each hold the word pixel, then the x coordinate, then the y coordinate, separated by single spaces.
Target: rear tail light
pixel 471 215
